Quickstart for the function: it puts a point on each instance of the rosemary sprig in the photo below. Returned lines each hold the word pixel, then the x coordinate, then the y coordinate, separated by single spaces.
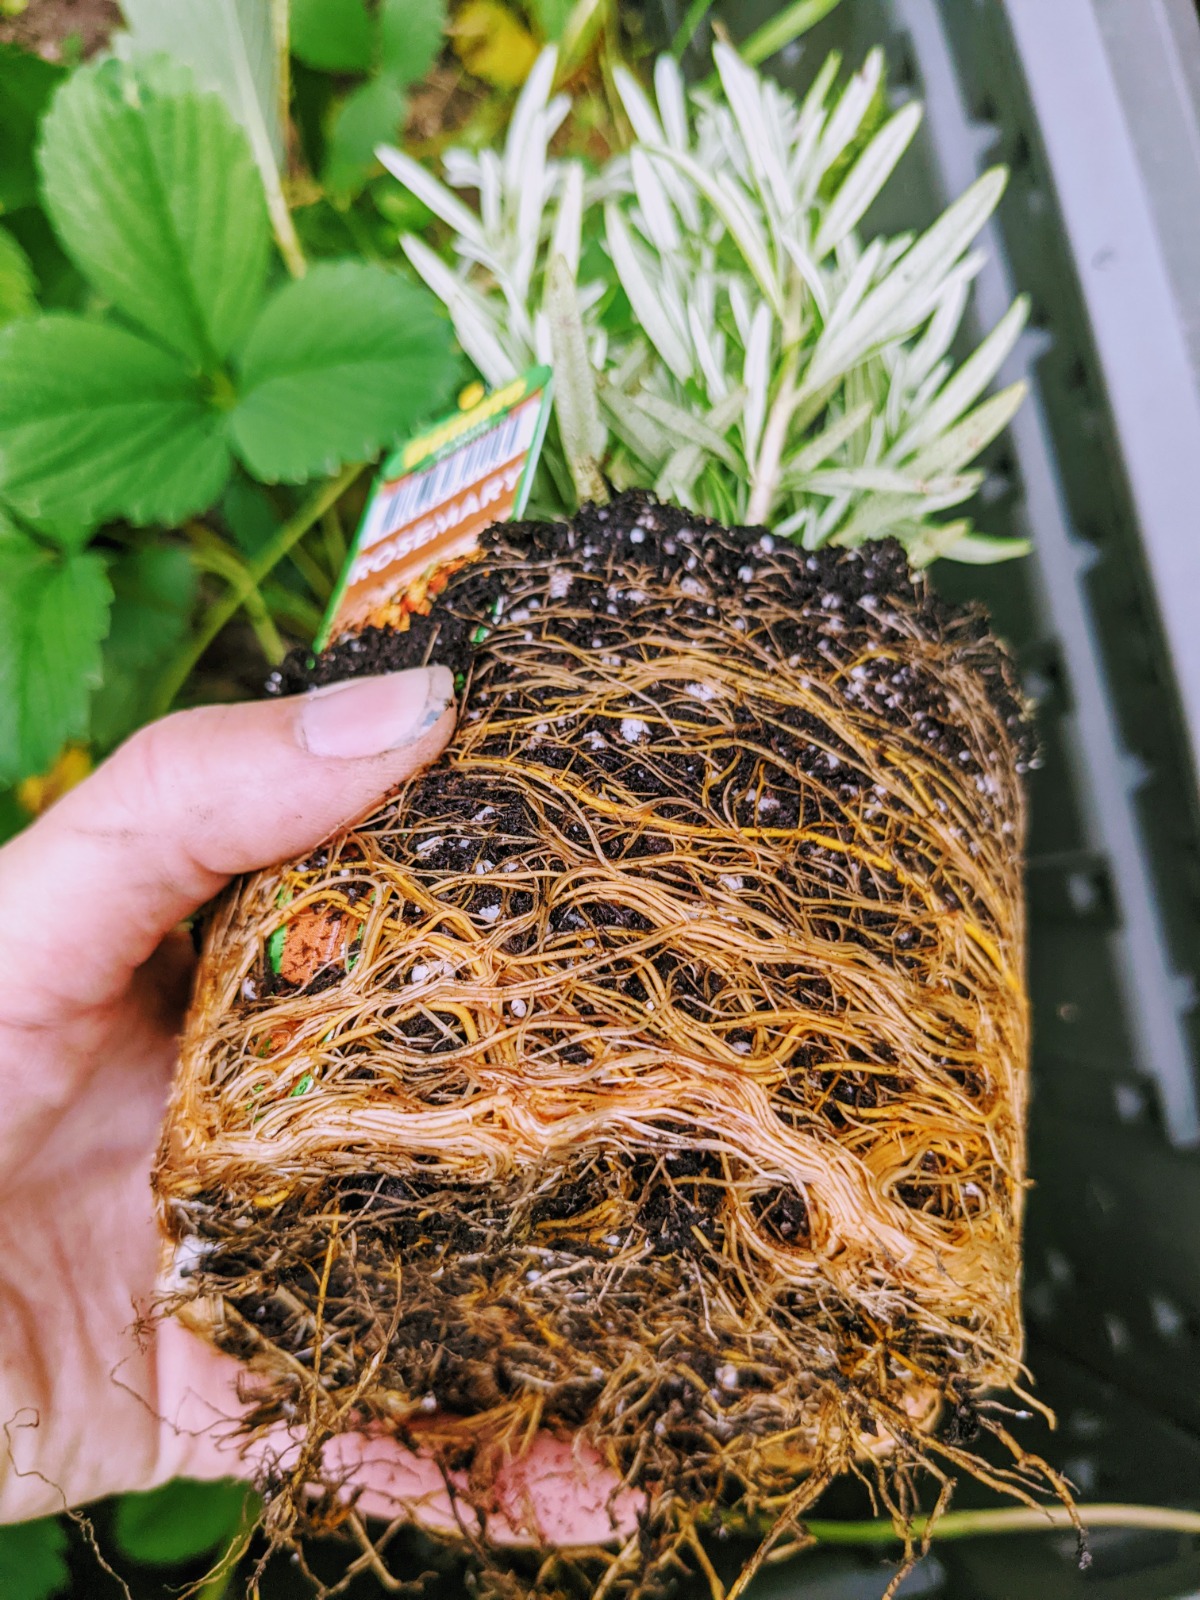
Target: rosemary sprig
pixel 733 341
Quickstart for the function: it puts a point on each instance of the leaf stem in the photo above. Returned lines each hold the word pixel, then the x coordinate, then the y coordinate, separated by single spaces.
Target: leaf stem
pixel 284 229
pixel 280 43
pixel 781 30
pixel 313 573
pixel 212 554
pixel 1014 1519
pixel 689 27
pixel 217 1587
pixel 278 209
pixel 266 561
pixel 584 20
pixel 296 613
pixel 335 542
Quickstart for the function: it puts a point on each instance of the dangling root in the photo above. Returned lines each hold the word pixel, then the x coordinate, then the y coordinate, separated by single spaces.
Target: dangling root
pixel 653 1069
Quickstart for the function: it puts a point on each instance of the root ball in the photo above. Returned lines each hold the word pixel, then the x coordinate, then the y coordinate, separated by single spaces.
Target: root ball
pixel 654 1066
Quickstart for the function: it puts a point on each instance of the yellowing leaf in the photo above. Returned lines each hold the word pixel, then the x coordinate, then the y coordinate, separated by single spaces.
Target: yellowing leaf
pixel 493 44
pixel 36 795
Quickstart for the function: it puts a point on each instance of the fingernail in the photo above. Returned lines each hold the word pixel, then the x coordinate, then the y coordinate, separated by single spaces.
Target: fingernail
pixel 368 716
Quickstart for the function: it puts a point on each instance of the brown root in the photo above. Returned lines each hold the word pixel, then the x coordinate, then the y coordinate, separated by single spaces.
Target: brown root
pixel 654 1067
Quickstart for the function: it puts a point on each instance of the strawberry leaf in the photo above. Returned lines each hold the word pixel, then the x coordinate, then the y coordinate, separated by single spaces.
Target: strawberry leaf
pixel 153 190
pixel 179 1521
pixel 16 280
pixel 371 115
pixel 53 615
pixel 337 366
pixel 230 47
pixel 154 592
pixel 552 16
pixel 410 37
pixel 333 35
pixel 26 83
pixel 96 422
pixel 32 1554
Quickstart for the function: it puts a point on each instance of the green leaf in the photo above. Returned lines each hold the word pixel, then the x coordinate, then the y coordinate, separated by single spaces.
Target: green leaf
pixel 551 17
pixel 333 35
pixel 26 84
pixel 13 818
pixel 97 422
pixel 181 1520
pixel 16 280
pixel 53 615
pixel 782 29
pixel 896 304
pixel 60 285
pixel 884 480
pixel 152 188
pixel 440 199
pixel 821 446
pixel 472 315
pixel 338 365
pixel 956 541
pixel 678 477
pixel 154 592
pixel 248 513
pixel 32 1559
pixel 410 37
pixel 683 427
pixel 735 211
pixel 228 45
pixel 371 115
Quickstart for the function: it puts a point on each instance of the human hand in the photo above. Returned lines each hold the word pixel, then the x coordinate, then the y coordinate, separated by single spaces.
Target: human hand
pixel 94 977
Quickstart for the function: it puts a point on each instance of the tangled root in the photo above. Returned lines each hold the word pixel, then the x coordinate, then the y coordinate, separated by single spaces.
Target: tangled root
pixel 653 1068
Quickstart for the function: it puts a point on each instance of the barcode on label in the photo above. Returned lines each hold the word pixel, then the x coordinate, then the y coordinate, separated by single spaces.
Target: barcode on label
pixel 405 499
pixel 434 499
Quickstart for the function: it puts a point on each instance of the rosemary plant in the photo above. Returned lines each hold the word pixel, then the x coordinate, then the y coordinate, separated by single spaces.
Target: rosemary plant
pixel 719 329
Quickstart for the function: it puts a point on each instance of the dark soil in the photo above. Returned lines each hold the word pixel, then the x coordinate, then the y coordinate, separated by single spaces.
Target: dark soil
pixel 845 593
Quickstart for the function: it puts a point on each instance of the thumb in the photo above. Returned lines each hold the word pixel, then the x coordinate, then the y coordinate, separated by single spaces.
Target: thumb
pixel 90 890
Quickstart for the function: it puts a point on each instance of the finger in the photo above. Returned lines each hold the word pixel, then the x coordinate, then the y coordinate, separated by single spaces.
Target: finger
pixel 90 890
pixel 558 1492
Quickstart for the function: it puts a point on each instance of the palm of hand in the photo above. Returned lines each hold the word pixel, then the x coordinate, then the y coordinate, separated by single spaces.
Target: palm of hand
pixel 85 1398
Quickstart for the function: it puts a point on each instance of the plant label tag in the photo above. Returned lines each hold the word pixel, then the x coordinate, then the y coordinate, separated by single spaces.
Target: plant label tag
pixel 432 500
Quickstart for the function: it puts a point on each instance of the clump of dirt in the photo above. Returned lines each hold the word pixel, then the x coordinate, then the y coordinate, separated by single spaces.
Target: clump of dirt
pixel 62 30
pixel 654 1066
